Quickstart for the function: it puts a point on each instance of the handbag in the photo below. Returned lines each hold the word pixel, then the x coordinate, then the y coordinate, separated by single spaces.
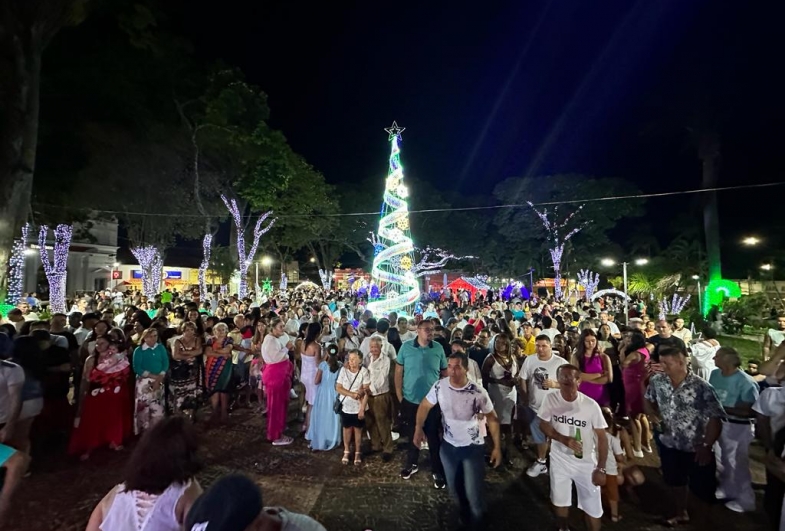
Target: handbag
pixel 338 404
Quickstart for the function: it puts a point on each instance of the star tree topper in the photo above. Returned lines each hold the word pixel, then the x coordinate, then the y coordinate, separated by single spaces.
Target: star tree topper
pixel 394 130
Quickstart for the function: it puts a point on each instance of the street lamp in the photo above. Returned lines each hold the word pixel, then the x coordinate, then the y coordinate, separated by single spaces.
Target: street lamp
pixel 267 261
pixel 767 267
pixel 609 262
pixel 750 240
pixel 697 278
pixel 313 260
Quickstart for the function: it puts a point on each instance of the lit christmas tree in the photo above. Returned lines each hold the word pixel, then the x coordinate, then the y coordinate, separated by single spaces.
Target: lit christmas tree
pixel 393 247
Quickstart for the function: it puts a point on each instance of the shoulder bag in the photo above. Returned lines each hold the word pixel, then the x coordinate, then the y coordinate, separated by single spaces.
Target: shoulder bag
pixel 338 404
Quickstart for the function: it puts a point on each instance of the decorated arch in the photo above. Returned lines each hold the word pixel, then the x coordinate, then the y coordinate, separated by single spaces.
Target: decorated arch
pixel 611 292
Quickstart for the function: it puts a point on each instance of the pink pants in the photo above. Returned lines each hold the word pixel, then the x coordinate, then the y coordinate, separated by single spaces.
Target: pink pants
pixel 277 378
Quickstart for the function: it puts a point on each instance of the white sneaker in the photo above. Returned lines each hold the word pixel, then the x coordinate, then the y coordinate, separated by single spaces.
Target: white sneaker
pixel 424 446
pixel 395 436
pixel 292 394
pixel 637 453
pixel 734 506
pixel 537 468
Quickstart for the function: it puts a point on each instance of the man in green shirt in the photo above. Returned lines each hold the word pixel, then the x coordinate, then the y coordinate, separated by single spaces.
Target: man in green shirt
pixel 421 362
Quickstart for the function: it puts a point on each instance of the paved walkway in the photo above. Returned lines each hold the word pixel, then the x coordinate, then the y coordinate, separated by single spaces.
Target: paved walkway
pixel 61 493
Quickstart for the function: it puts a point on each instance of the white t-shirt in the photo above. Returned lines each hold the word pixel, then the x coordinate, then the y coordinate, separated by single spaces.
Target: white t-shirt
pixel 387 349
pixel 771 403
pixel 460 407
pixel 408 336
pixel 567 418
pixel 11 374
pixel 614 449
pixel 535 372
pixel 345 378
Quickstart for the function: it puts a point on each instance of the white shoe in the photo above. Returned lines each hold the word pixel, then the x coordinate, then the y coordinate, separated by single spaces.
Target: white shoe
pixel 292 393
pixel 537 468
pixel 424 446
pixel 395 436
pixel 637 453
pixel 734 506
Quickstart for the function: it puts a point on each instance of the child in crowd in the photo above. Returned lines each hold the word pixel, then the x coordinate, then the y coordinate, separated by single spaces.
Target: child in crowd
pixel 613 466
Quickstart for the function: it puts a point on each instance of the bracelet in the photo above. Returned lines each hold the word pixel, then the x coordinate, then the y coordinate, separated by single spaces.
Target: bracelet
pixel 600 470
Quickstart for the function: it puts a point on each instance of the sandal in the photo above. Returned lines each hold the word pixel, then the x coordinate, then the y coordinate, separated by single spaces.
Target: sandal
pixel 616 517
pixel 358 458
pixel 345 460
pixel 674 522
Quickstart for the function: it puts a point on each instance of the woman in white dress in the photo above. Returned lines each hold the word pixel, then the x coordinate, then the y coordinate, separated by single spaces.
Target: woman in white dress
pixel 499 372
pixel 702 353
pixel 309 359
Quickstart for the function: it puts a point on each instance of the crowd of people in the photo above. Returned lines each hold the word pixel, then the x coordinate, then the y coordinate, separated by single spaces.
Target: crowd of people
pixel 465 380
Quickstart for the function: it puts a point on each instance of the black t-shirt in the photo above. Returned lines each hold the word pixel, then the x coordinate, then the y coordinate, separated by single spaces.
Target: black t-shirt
pixel 660 342
pixel 73 344
pixel 56 384
pixel 478 354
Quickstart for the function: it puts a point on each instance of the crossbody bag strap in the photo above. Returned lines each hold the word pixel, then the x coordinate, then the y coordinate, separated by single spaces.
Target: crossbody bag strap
pixel 352 384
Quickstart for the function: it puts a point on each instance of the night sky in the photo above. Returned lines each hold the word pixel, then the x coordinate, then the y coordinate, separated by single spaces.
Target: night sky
pixel 490 90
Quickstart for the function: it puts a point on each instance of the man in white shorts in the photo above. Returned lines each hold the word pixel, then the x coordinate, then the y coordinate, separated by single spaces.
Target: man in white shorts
pixel 575 424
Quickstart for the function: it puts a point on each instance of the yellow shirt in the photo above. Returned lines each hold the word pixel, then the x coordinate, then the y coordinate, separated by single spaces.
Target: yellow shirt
pixel 529 348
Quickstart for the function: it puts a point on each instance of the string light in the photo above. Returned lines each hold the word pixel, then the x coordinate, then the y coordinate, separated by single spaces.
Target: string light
pixel 207 243
pixel 397 287
pixel 427 265
pixel 674 307
pixel 16 265
pixel 244 260
pixel 557 251
pixel 589 281
pixel 151 262
pixel 56 270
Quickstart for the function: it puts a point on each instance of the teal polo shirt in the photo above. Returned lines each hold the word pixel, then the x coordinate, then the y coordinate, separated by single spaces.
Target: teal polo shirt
pixel 422 366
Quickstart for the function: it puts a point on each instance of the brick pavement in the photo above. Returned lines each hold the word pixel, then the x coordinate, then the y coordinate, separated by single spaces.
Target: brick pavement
pixel 61 493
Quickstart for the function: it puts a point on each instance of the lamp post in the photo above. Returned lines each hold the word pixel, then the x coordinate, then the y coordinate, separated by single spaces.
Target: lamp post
pixel 700 297
pixel 609 262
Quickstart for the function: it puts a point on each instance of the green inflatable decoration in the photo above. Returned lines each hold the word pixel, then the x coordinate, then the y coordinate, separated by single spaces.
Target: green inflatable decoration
pixel 717 291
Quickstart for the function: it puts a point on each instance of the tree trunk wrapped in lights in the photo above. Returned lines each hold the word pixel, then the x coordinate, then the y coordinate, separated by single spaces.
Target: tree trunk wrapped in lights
pixel 589 281
pixel 394 250
pixel 206 248
pixel 55 270
pixel 16 273
pixel 244 259
pixel 152 264
pixel 557 251
pixel 327 279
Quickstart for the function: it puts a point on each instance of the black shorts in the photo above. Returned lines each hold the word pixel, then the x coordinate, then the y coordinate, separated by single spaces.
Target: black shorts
pixel 351 420
pixel 679 469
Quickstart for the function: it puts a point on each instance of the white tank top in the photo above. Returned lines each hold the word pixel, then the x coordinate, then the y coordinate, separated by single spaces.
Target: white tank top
pixel 138 511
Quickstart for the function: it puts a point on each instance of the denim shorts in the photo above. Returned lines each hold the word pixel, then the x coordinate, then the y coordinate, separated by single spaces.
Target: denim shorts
pixel 538 437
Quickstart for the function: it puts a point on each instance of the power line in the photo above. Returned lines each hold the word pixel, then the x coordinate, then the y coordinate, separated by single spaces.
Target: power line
pixel 451 209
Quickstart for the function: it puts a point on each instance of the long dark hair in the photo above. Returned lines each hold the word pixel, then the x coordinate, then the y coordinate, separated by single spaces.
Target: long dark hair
pixel 312 333
pixel 636 341
pixel 166 454
pixel 580 350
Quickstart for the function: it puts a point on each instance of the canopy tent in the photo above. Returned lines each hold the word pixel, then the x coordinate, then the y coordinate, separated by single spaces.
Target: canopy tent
pixel 471 284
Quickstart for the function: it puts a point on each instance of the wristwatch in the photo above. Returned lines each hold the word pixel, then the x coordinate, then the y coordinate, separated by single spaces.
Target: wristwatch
pixel 601 470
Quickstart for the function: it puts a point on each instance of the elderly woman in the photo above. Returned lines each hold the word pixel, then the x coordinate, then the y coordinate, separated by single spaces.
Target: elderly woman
pixel 380 403
pixel 218 371
pixel 277 378
pixel 354 382
pixel 150 363
pixel 184 381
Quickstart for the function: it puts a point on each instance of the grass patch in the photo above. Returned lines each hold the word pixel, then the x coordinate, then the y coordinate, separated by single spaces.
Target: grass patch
pixel 747 348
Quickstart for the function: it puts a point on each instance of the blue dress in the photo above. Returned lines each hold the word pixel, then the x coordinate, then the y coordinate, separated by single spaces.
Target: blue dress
pixel 325 429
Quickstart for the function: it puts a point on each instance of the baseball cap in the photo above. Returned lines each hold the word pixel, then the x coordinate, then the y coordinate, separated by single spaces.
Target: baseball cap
pixel 231 504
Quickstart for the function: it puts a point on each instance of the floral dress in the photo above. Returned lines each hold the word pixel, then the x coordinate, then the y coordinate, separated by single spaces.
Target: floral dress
pixel 217 370
pixel 184 380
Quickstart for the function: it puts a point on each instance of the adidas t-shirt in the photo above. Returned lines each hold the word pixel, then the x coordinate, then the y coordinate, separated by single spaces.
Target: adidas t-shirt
pixel 460 406
pixel 567 418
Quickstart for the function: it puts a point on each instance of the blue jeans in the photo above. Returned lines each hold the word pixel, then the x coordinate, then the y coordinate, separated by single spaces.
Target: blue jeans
pixel 464 471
